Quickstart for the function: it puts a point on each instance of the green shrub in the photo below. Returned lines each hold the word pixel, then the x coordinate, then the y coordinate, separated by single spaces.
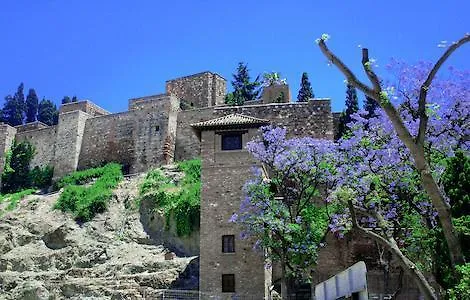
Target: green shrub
pixel 182 201
pixel 16 175
pixel 42 177
pixel 462 289
pixel 87 201
pixel 14 198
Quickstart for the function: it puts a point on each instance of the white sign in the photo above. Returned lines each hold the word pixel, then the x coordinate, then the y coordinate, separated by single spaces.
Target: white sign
pixel 352 280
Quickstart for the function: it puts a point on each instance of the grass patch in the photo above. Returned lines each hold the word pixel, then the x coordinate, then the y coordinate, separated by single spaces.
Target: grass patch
pixel 84 202
pixel 181 200
pixel 14 198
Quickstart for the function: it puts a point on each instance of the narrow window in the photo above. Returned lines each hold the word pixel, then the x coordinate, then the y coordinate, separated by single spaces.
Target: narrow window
pixel 232 141
pixel 157 128
pixel 228 283
pixel 228 243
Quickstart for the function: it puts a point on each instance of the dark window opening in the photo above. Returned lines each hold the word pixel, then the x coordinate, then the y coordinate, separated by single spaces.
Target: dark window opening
pixel 157 128
pixel 228 243
pixel 228 283
pixel 232 141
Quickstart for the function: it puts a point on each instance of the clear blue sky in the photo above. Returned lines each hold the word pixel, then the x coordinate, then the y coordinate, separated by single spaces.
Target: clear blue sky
pixel 110 51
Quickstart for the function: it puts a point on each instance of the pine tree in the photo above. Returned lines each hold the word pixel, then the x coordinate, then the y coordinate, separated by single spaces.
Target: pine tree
pixel 305 91
pixel 352 106
pixel 13 109
pixel 47 112
pixel 74 99
pixel 66 100
pixel 243 88
pixel 371 106
pixel 31 106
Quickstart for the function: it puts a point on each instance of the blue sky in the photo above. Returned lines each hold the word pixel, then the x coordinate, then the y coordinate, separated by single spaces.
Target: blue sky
pixel 110 51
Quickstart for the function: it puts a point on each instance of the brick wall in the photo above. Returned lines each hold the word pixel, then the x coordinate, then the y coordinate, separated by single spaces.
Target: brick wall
pixel 86 106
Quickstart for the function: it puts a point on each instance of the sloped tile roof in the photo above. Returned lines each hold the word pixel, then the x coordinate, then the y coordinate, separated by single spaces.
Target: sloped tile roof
pixel 232 120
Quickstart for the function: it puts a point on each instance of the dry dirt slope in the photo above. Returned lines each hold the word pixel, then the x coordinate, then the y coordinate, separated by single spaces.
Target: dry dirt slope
pixel 44 254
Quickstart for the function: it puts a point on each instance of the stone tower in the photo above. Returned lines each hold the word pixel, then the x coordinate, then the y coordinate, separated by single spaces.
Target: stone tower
pixel 199 90
pixel 228 265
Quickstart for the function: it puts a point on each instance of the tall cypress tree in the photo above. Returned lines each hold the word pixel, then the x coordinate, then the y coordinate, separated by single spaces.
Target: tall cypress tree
pixel 243 88
pixel 13 109
pixel 32 104
pixel 305 91
pixel 352 106
pixel 47 112
pixel 66 100
pixel 371 106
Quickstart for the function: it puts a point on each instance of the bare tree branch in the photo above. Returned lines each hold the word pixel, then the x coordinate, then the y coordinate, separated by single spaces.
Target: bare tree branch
pixel 368 69
pixel 423 122
pixel 350 77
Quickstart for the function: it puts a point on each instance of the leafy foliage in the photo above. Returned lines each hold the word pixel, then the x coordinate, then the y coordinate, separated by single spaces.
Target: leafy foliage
pixel 462 289
pixel 41 177
pixel 244 88
pixel 14 198
pixel 371 106
pixel 181 200
pixel 32 104
pixel 284 209
pixel 352 106
pixel 87 201
pixel 305 91
pixel 13 109
pixel 16 175
pixel 47 112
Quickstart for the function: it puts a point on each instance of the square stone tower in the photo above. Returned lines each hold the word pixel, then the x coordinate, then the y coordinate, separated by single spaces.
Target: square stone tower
pixel 229 266
pixel 199 90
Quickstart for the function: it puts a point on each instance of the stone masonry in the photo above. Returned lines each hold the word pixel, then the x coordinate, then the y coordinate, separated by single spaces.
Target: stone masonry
pixel 158 129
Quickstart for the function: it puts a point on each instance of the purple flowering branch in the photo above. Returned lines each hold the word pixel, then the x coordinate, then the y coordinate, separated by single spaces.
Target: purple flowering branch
pixel 416 147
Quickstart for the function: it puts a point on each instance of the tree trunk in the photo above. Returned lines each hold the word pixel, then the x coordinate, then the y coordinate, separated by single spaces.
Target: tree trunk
pixel 408 266
pixel 284 290
pixel 429 185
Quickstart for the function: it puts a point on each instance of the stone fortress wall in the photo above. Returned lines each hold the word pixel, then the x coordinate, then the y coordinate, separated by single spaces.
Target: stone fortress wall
pixel 154 126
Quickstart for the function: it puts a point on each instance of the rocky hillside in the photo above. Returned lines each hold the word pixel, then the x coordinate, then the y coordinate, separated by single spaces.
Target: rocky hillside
pixel 45 254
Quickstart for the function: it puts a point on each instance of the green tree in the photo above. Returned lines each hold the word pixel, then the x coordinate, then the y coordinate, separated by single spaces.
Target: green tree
pixel 13 110
pixel 47 112
pixel 352 106
pixel 66 100
pixel 16 175
pixel 31 106
pixel 243 88
pixel 305 91
pixel 74 99
pixel 370 105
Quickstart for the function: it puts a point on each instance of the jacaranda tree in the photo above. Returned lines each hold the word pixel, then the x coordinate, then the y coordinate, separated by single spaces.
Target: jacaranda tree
pixel 284 208
pixel 414 138
pixel 379 180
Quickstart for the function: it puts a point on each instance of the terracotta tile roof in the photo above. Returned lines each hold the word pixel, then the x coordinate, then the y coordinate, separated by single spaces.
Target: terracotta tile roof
pixel 232 120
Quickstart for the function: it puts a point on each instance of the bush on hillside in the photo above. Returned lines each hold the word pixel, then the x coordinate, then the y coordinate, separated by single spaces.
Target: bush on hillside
pixel 84 202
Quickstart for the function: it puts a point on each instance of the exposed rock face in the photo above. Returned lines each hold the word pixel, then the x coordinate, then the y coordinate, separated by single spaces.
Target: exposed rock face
pixel 44 254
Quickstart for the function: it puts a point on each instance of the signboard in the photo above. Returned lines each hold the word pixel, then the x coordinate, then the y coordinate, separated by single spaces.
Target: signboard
pixel 352 282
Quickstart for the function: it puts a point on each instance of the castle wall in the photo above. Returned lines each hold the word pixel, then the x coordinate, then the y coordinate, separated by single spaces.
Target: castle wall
pixel 7 135
pixel 134 139
pixel 85 106
pixel 311 118
pixel 70 133
pixel 198 90
pixel 43 141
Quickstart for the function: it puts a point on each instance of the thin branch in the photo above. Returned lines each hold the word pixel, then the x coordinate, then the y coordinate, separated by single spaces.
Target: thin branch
pixel 350 77
pixel 368 69
pixel 423 122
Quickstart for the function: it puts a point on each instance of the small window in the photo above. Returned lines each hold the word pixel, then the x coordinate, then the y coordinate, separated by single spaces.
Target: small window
pixel 232 141
pixel 228 243
pixel 157 128
pixel 228 283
